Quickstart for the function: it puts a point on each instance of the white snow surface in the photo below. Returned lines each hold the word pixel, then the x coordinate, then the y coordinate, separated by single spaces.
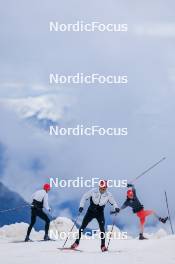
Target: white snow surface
pixel 158 249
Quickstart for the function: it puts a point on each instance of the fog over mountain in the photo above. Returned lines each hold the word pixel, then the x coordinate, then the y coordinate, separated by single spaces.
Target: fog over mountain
pixel 28 104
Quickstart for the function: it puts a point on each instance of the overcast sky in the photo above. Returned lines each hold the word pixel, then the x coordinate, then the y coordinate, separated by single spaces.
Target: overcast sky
pixel 29 52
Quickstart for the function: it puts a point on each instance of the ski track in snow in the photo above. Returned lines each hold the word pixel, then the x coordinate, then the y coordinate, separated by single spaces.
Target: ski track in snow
pixel 133 251
pixel 159 249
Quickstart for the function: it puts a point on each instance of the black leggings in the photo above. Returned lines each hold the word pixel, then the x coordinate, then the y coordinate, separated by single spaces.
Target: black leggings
pixel 88 218
pixel 38 212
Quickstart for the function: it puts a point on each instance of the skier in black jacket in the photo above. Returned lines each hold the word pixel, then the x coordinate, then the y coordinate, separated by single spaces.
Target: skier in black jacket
pixel 133 202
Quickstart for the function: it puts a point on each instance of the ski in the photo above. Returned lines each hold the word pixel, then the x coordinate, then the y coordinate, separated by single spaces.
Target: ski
pixel 68 249
pixel 21 241
pixel 71 249
pixel 34 241
pixel 42 240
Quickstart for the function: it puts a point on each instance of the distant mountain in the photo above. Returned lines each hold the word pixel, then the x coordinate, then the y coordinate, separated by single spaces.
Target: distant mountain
pixel 10 200
pixel 40 111
pixel 42 123
pixel 43 107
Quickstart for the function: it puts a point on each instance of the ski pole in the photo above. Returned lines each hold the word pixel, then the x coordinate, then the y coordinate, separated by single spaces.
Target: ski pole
pixel 13 209
pixel 71 229
pixel 146 171
pixel 53 221
pixel 166 199
pixel 113 224
pixel 53 217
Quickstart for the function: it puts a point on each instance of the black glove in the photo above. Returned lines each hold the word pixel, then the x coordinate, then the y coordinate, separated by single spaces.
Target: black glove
pixel 129 185
pixel 117 210
pixel 80 209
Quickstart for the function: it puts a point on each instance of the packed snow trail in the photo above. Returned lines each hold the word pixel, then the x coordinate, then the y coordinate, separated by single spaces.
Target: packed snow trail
pixel 129 251
pixel 159 249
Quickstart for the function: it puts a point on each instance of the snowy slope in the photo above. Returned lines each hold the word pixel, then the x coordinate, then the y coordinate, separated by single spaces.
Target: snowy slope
pixel 158 249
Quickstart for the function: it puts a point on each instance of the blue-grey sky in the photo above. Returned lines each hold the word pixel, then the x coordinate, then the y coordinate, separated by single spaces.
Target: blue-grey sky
pixel 29 52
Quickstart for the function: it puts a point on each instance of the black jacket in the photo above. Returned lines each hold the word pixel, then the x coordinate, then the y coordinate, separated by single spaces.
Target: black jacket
pixel 133 203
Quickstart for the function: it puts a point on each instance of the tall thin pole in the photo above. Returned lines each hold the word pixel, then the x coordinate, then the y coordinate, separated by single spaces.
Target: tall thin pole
pixel 146 171
pixel 166 199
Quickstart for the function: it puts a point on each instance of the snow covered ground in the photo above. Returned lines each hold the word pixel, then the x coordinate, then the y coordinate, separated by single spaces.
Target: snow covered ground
pixel 160 248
